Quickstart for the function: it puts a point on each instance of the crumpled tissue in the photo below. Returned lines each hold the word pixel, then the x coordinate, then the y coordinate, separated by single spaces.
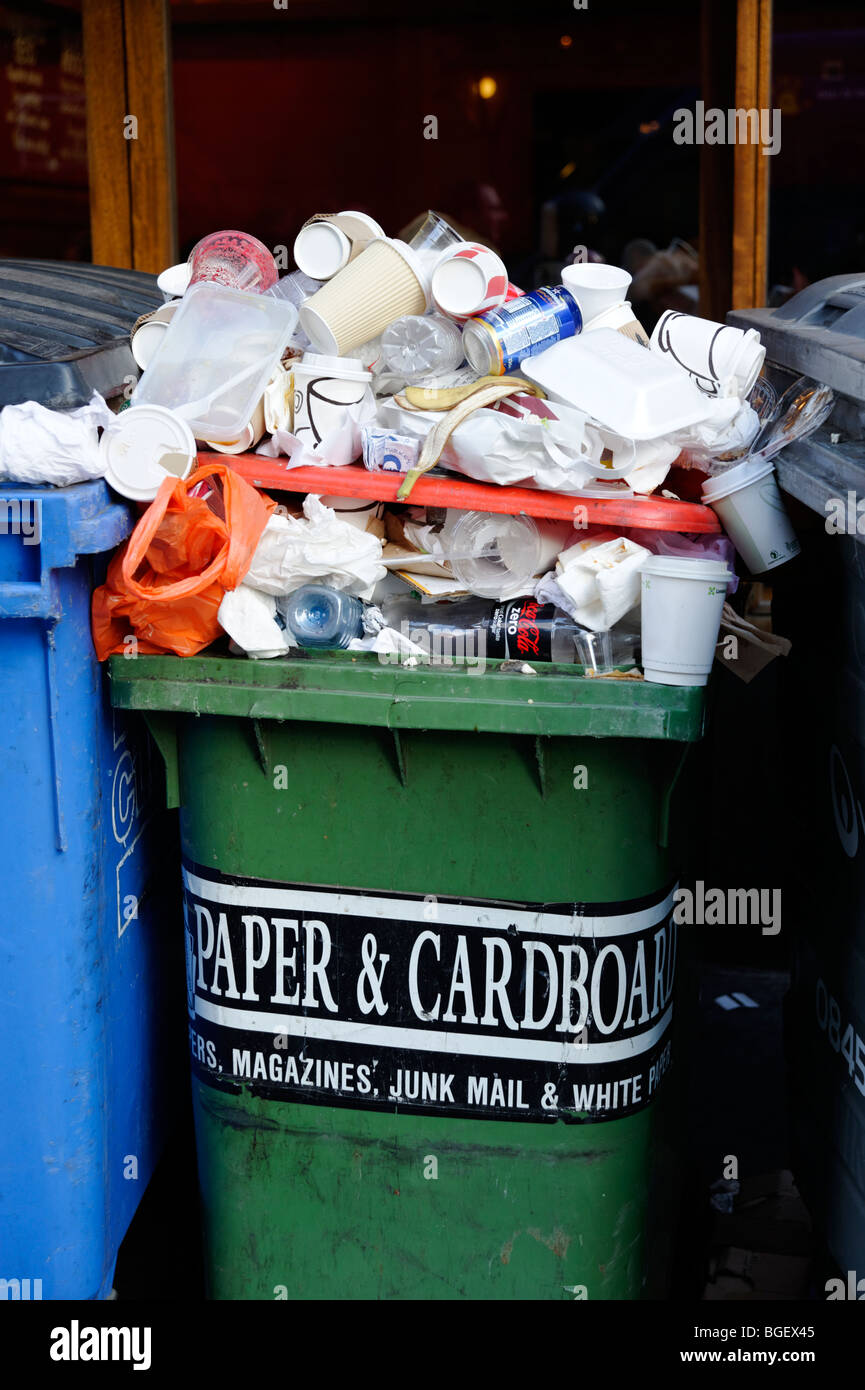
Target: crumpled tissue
pixel 596 581
pixel 317 547
pixel 38 445
pixel 249 618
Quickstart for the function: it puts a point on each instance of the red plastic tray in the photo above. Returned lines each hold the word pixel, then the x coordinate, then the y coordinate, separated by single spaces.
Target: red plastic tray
pixel 655 513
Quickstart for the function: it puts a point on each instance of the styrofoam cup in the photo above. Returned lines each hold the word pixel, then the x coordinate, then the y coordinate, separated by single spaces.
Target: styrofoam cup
pixel 384 282
pixel 595 287
pixel 722 360
pixel 748 502
pixel 682 602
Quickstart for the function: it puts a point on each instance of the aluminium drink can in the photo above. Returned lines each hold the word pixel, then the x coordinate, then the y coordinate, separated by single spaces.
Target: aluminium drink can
pixel 496 342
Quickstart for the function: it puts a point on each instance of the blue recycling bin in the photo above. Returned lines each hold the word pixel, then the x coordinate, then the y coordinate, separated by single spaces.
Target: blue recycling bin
pixel 84 1094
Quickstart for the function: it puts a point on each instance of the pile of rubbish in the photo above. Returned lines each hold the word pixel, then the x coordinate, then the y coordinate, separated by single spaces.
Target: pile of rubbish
pixel 375 357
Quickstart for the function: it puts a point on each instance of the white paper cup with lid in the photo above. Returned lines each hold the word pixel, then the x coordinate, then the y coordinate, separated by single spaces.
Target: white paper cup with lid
pixel 142 447
pixel 747 500
pixel 324 390
pixel 148 332
pixel 682 602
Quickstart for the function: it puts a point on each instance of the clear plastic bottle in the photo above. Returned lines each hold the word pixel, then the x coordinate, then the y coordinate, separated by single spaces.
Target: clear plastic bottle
pixel 520 630
pixel 421 345
pixel 321 618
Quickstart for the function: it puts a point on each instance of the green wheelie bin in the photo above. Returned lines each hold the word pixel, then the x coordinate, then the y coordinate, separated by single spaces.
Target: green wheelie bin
pixel 430 951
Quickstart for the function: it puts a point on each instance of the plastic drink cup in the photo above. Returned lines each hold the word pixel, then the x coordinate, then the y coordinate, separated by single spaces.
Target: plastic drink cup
pixel 748 502
pixel 432 237
pixel 234 259
pixel 595 287
pixel 722 360
pixel 469 279
pixel 329 241
pixel 498 556
pixel 682 602
pixel 383 283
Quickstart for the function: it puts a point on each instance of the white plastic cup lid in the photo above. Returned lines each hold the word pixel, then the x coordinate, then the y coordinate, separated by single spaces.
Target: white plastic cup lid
pixel 365 218
pixel 458 285
pixel 733 479
pixel 347 367
pixel 321 249
pixel 684 567
pixel 142 447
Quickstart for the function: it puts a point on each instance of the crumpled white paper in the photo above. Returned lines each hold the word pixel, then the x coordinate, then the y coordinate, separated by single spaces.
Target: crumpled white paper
pixel 38 445
pixel 496 448
pixel 597 581
pixel 317 547
pixel 249 618
pixel 339 447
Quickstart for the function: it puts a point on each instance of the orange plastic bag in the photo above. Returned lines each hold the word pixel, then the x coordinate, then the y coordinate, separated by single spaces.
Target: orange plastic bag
pixel 165 584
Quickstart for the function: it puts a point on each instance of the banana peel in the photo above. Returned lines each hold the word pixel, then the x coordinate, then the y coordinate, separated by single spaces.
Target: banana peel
pixel 445 398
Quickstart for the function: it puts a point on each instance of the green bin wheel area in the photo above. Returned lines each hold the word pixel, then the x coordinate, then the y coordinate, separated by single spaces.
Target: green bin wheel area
pixel 430 957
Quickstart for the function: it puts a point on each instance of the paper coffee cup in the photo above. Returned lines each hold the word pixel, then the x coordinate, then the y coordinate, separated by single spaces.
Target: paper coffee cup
pixel 747 500
pixel 247 440
pixel 720 359
pixel 384 282
pixel 142 447
pixel 595 287
pixel 148 332
pixel 357 511
pixel 324 389
pixel 623 319
pixel 329 241
pixel 682 601
pixel 470 279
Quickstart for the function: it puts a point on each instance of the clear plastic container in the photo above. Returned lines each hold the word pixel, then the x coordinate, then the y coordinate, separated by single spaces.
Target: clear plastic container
pixel 498 556
pixel 217 356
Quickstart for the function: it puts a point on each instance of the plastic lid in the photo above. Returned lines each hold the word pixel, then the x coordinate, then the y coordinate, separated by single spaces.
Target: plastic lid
pixel 319 331
pixel 321 249
pixel 145 445
pixel 346 367
pixel 680 567
pixel 459 285
pixel 739 476
pixel 175 279
pixel 364 217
